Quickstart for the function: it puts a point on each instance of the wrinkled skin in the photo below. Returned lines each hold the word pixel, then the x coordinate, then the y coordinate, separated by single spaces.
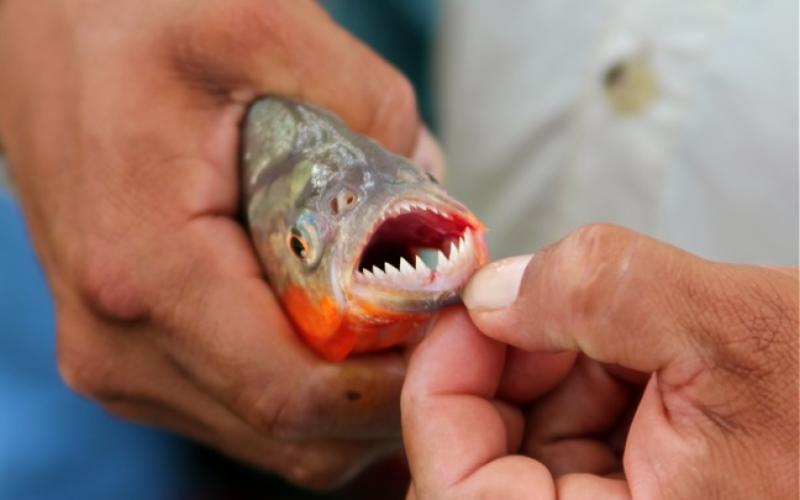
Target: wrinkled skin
pixel 121 122
pixel 625 368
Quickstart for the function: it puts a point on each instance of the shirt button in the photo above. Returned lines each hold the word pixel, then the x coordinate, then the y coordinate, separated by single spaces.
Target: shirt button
pixel 630 85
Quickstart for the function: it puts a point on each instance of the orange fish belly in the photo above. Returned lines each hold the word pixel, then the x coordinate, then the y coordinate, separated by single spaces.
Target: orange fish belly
pixel 334 334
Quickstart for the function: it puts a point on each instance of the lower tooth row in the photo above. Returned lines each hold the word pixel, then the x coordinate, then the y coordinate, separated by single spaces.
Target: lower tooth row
pixel 460 253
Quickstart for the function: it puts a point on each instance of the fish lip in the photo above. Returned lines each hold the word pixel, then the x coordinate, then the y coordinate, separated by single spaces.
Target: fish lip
pixel 421 298
pixel 391 209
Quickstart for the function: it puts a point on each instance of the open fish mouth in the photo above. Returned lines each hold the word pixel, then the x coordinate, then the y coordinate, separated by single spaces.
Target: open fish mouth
pixel 421 247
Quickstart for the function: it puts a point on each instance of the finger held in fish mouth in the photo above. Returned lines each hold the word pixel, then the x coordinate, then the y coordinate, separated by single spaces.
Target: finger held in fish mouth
pixel 420 246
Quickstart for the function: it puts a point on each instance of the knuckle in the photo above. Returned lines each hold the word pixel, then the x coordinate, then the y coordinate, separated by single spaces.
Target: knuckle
pixel 597 244
pixel 400 95
pixel 107 287
pixel 84 374
pixel 270 411
pixel 592 260
pixel 315 406
pixel 322 467
pixel 395 119
pixel 202 51
pixel 317 476
pixel 254 25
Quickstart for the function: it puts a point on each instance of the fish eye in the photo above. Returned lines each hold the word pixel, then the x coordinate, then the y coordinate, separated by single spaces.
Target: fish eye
pixel 304 242
pixel 343 201
pixel 297 244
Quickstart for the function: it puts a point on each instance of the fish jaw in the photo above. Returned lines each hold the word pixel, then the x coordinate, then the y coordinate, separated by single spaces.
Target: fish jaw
pixel 371 311
pixel 416 257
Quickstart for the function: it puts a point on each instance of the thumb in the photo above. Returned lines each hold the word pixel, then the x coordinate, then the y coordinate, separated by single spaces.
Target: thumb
pixel 613 294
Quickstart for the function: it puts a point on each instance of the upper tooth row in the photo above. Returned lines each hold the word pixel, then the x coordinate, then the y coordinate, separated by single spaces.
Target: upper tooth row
pixel 408 206
pixel 461 252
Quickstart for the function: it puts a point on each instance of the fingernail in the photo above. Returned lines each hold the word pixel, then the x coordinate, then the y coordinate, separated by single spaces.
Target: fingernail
pixel 496 285
pixel 428 155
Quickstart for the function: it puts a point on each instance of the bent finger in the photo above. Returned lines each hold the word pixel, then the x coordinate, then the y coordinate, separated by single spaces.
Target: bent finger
pixel 565 429
pixel 451 426
pixel 527 376
pixel 225 330
pixel 293 48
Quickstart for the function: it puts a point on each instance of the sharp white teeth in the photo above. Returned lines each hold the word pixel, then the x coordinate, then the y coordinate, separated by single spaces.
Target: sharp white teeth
pixel 391 270
pixel 453 251
pixel 418 276
pixel 405 266
pixel 410 206
pixel 441 260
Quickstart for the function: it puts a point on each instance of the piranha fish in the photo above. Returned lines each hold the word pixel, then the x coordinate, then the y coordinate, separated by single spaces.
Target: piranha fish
pixel 359 244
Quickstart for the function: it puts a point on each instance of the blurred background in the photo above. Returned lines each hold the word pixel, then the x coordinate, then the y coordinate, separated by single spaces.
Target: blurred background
pixel 675 118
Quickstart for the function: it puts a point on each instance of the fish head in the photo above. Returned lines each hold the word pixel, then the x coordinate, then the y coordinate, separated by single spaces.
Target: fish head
pixel 353 238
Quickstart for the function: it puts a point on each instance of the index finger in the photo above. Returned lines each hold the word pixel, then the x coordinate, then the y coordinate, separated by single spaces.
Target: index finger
pixel 457 436
pixel 293 48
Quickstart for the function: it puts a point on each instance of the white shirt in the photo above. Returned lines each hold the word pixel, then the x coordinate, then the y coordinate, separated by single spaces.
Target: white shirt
pixel 693 138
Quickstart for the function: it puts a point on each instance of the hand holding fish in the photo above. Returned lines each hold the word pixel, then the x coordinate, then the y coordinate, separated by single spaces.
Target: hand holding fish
pixel 121 121
pixel 609 366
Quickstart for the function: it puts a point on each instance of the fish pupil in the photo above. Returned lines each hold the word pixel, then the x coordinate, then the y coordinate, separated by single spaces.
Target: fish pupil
pixel 298 246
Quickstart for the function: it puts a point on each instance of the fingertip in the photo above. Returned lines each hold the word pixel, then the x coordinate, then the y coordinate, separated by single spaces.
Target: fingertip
pixel 491 294
pixel 496 285
pixel 511 476
pixel 507 327
pixel 428 155
pixel 437 364
pixel 578 485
